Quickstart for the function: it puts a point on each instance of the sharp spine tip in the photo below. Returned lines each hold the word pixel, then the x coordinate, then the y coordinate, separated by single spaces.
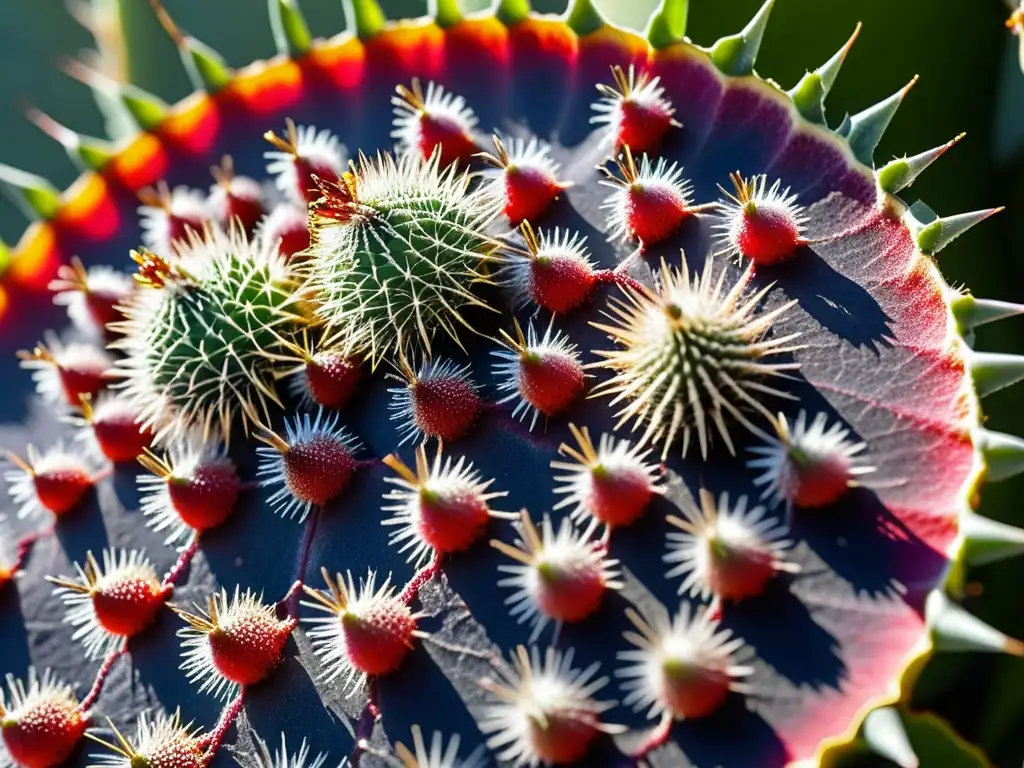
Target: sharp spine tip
pixel 34 195
pixel 89 154
pixel 1003 453
pixel 988 541
pixel 365 18
pixel 954 630
pixel 936 235
pixel 736 54
pixel 206 68
pixel 291 32
pixel 511 12
pixel 446 13
pixel 583 17
pixel 885 735
pixel 810 93
pixel 902 172
pixel 971 312
pixel 868 127
pixel 993 371
pixel 667 25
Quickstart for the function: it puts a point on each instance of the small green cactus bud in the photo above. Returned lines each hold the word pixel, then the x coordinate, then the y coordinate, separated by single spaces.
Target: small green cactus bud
pixel 197 337
pixel 397 247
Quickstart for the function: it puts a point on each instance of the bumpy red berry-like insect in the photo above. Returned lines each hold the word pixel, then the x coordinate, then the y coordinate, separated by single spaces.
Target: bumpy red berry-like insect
pixel 438 508
pixel 807 466
pixel 437 119
pixel 287 226
pixel 635 110
pixel 312 464
pixel 726 552
pixel 109 604
pixel 763 225
pixel 63 374
pixel 161 741
pixel 234 642
pixel 558 577
pixel 235 198
pixel 544 374
pixel 524 176
pixel 610 484
pixel 554 271
pixel 440 400
pixel 169 218
pixel 543 709
pixel 91 295
pixel 54 481
pixel 42 722
pixel 301 157
pixel 327 377
pixel 367 631
pixel 648 203
pixel 682 667
pixel 110 428
pixel 192 488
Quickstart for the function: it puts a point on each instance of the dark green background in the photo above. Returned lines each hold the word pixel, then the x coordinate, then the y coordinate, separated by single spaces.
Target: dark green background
pixel 969 82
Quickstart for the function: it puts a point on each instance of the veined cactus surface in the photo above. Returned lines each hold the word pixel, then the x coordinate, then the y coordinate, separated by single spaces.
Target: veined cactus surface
pixel 577 394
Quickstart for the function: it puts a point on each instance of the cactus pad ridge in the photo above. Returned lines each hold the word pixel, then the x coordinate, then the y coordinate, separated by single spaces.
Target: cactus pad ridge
pixel 847 368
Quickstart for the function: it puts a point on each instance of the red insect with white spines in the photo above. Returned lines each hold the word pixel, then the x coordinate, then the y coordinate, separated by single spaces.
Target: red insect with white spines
pixel 235 198
pixel 92 295
pixel 544 374
pixel 193 488
pixel 435 120
pixel 726 552
pixel 543 710
pixel 301 157
pixel 287 226
pixel 649 202
pixel 65 373
pixel 169 218
pixel 558 577
pixel 54 481
pixel 611 484
pixel 235 641
pixel 808 465
pixel 41 720
pixel 439 400
pixel 111 604
pixel 681 667
pixel 312 464
pixel 760 223
pixel 635 110
pixel 439 507
pixel 366 632
pixel 554 271
pixel 110 428
pixel 524 176
pixel 327 377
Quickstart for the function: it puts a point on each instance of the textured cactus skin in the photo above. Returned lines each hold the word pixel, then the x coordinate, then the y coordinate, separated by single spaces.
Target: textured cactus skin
pixel 895 336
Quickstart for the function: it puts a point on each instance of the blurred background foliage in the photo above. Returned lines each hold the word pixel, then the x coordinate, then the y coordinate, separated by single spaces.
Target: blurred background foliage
pixel 970 81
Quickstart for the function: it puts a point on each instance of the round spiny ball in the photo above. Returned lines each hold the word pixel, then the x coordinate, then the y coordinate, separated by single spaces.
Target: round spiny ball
pixel 396 249
pixel 41 721
pixel 692 357
pixel 199 336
